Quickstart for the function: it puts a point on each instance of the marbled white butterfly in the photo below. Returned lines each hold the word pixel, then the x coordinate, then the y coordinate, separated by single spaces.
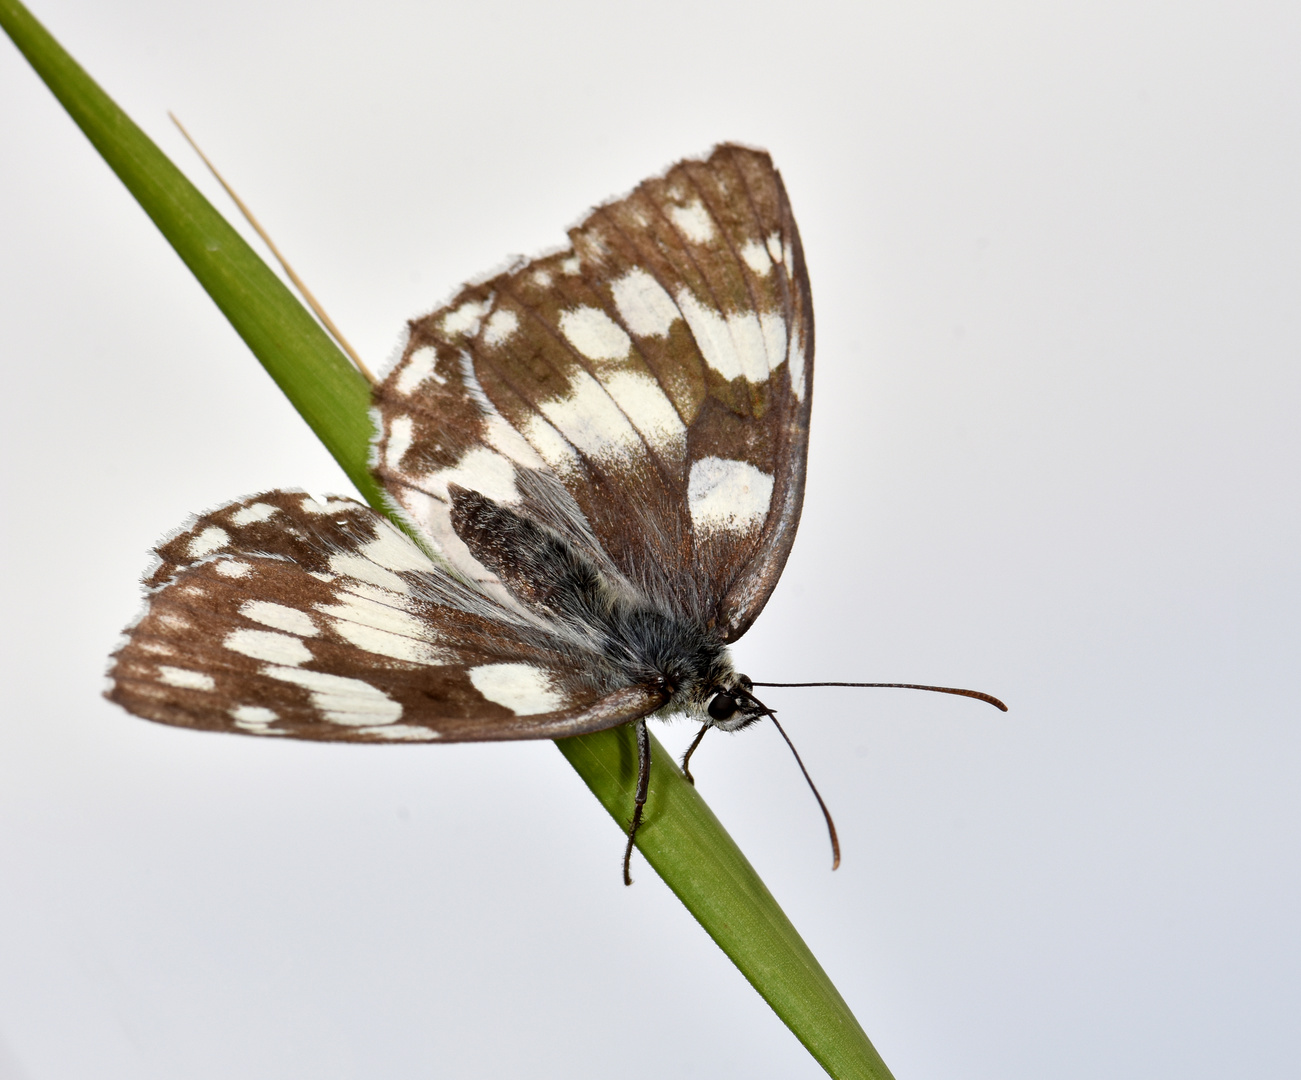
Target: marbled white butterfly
pixel 602 452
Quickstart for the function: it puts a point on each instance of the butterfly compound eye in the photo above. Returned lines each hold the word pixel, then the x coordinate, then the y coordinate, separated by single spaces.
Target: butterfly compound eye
pixel 721 706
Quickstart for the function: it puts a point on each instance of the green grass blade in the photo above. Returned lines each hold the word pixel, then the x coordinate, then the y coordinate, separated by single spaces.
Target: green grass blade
pixel 680 838
pixel 689 848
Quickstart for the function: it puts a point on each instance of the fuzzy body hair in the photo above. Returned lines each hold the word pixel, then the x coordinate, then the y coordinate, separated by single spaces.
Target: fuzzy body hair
pixel 639 640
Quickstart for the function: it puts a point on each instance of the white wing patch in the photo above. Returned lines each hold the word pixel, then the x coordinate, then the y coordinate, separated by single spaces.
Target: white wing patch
pixel 376 561
pixel 255 719
pixel 500 327
pixel 383 643
pixel 340 699
pixel 646 309
pixel 550 445
pixel 331 505
pixel 481 470
pixel 348 564
pixel 727 495
pixel 757 258
pixel 374 607
pixel 253 714
pixel 774 341
pixel 401 732
pixel 733 345
pixel 185 679
pixel 279 617
pixel 401 433
pixel 466 318
pixel 524 689
pixel 797 366
pixel 751 345
pixel 253 512
pixel 393 551
pixel 641 399
pixel 213 538
pixel 283 649
pixel 590 420
pixel 694 221
pixel 594 334
pixel 419 366
pixel 372 620
pixel 506 440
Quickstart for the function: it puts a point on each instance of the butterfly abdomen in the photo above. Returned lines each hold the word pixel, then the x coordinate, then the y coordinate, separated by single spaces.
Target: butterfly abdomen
pixel 535 563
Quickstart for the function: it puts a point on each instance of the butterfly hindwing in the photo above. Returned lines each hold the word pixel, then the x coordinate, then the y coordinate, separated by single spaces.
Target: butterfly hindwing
pixel 645 392
pixel 317 619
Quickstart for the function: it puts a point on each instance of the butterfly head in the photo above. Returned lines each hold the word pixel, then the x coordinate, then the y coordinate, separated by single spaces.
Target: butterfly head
pixel 732 706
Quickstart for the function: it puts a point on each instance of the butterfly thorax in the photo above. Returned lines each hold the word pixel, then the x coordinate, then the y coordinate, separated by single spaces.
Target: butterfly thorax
pixel 640 642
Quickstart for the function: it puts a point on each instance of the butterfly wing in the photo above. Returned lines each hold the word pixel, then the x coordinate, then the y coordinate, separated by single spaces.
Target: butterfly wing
pixel 317 619
pixel 645 392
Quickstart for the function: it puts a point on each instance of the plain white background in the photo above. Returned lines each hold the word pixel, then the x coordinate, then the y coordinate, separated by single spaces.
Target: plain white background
pixel 1056 255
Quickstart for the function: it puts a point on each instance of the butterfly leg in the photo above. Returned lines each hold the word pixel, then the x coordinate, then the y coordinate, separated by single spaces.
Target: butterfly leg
pixel 643 787
pixel 686 758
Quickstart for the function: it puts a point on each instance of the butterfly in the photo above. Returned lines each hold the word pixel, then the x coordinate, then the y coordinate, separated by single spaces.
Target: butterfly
pixel 597 461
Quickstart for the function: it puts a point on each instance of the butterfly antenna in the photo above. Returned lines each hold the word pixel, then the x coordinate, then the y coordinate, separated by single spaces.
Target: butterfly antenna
pixel 902 686
pixel 686 758
pixel 831 825
pixel 302 288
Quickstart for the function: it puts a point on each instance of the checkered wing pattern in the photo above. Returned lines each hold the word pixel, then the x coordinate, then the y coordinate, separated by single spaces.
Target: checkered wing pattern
pixel 644 391
pixel 317 619
pixel 600 451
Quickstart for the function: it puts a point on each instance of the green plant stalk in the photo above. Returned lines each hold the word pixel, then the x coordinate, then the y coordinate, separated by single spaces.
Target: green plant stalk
pixel 689 848
pixel 680 837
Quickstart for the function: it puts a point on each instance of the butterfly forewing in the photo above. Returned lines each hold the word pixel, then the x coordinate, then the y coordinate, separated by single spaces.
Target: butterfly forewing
pixel 316 619
pixel 645 391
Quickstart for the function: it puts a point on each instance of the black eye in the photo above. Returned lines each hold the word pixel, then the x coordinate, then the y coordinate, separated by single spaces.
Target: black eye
pixel 721 706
